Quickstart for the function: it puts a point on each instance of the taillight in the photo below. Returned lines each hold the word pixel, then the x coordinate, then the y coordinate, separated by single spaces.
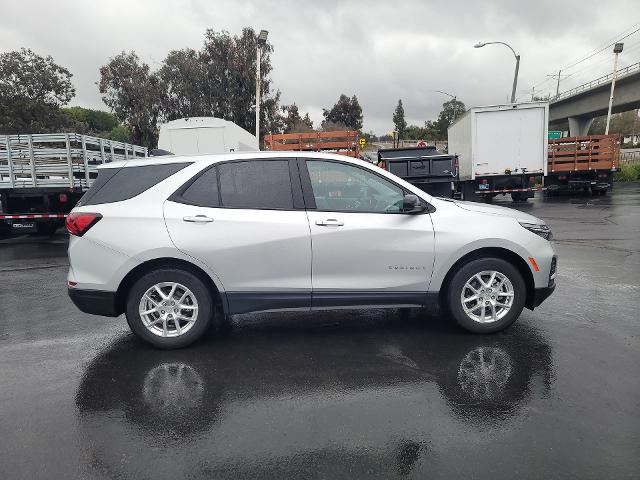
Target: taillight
pixel 79 223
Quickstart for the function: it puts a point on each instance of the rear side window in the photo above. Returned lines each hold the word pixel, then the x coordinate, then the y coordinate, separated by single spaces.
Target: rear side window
pixel 124 183
pixel 262 184
pixel 203 191
pixel 104 175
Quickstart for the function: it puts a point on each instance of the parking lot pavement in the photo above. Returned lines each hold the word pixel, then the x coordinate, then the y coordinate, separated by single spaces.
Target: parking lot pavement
pixel 376 394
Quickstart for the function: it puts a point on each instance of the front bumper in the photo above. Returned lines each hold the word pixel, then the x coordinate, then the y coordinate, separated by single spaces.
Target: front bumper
pixel 541 294
pixel 95 302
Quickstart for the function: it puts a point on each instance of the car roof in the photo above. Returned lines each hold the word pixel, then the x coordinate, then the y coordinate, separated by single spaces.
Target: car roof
pixel 220 157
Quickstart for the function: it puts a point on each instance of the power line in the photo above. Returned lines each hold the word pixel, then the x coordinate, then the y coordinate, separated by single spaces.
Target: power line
pixel 601 50
pixel 593 53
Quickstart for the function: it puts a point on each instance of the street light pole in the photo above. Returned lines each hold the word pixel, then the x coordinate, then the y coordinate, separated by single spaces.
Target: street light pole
pixel 515 76
pixel 445 93
pixel 616 50
pixel 262 40
pixel 258 93
pixel 449 95
pixel 515 80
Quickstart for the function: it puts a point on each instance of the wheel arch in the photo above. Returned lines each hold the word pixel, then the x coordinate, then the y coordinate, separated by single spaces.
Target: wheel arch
pixel 494 252
pixel 130 278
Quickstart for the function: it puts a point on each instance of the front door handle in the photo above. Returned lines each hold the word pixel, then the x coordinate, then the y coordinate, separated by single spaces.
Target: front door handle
pixel 198 219
pixel 329 222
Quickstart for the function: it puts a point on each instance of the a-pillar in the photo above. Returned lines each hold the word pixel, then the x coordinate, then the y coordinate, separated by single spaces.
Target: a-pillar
pixel 579 126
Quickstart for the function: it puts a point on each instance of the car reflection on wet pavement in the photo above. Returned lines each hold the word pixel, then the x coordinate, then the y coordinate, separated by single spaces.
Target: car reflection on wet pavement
pixel 267 402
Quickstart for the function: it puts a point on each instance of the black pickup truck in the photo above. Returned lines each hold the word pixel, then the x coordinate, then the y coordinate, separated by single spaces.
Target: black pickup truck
pixel 425 167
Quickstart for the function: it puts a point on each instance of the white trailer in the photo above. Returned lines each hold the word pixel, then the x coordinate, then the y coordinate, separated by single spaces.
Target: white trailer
pixel 199 135
pixel 501 149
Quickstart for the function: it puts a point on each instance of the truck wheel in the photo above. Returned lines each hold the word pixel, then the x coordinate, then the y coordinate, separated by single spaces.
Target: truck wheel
pixel 169 308
pixel 486 295
pixel 519 196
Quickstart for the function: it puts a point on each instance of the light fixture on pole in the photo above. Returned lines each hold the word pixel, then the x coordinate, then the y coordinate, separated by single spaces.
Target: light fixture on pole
pixel 616 50
pixel 262 40
pixel 515 76
pixel 454 101
pixel 445 93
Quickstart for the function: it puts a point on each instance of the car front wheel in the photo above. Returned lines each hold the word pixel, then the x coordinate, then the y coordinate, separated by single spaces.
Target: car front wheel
pixel 486 295
pixel 169 308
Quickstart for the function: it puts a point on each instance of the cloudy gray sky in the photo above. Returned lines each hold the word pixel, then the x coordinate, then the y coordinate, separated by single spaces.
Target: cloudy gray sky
pixel 379 50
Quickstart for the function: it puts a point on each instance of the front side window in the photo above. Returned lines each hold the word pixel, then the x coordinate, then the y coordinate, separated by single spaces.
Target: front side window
pixel 340 187
pixel 264 184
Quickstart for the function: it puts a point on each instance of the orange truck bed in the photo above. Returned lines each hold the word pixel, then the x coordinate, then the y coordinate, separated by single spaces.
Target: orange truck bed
pixel 591 152
pixel 344 142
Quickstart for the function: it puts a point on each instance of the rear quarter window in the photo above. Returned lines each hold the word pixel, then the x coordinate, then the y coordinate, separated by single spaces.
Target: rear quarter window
pixel 117 184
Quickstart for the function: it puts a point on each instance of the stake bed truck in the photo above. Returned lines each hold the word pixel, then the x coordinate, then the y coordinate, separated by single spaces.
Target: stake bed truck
pixel 42 176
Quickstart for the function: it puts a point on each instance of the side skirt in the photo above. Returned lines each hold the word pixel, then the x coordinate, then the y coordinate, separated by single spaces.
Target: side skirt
pixel 246 302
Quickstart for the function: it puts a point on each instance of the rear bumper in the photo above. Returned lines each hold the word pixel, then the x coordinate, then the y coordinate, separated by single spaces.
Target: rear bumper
pixel 541 294
pixel 95 302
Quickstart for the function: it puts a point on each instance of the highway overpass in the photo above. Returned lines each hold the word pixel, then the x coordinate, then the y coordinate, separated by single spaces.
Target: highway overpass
pixel 580 105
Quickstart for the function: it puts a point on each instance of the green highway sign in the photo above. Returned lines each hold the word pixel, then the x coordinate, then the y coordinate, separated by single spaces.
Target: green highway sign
pixel 554 134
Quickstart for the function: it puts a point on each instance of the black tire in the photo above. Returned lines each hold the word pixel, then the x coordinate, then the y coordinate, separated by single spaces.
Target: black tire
pixel 454 291
pixel 190 281
pixel 519 197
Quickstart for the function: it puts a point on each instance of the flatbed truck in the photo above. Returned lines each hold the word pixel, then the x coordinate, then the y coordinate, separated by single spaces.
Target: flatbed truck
pixel 42 176
pixel 585 163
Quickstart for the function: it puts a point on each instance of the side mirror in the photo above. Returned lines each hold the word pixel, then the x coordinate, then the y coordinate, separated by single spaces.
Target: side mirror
pixel 412 204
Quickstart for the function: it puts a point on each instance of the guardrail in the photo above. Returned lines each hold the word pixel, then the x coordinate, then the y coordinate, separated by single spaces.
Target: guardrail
pixel 630 158
pixel 598 81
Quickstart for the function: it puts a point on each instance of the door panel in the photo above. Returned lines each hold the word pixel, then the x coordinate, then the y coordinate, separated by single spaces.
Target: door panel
pixel 371 251
pixel 249 250
pixel 365 244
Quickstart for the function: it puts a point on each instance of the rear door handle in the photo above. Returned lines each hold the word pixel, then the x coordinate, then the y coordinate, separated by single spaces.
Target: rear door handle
pixel 198 219
pixel 329 222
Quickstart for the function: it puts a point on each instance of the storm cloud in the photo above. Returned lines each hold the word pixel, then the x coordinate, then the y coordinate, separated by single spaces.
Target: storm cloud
pixel 379 50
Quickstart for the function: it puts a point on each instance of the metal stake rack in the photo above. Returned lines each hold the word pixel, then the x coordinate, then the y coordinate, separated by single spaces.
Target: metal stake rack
pixel 67 160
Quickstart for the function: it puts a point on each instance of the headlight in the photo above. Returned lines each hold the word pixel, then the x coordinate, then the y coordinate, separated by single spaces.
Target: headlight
pixel 542 230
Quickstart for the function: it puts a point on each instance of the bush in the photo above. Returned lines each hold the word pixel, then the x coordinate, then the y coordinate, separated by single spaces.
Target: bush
pixel 627 173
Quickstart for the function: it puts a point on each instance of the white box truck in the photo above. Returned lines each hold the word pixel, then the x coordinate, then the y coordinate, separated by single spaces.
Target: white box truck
pixel 501 149
pixel 200 135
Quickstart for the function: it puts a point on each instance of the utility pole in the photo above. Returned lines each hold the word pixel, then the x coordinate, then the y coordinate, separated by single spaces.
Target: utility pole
pixel 558 77
pixel 617 49
pixel 533 93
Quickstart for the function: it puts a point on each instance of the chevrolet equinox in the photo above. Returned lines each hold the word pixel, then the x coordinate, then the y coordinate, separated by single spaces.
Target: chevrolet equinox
pixel 173 241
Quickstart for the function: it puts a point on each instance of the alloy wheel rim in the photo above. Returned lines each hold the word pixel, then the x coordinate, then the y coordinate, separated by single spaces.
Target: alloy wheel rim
pixel 487 296
pixel 168 309
pixel 484 372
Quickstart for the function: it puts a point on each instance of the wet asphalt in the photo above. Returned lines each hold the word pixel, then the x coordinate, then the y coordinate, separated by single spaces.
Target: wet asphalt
pixel 374 394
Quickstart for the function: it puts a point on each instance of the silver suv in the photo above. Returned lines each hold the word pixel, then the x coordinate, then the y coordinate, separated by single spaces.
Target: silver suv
pixel 173 241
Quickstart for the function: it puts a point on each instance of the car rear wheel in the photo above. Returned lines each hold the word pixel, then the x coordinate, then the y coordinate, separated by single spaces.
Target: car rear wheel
pixel 169 308
pixel 486 295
